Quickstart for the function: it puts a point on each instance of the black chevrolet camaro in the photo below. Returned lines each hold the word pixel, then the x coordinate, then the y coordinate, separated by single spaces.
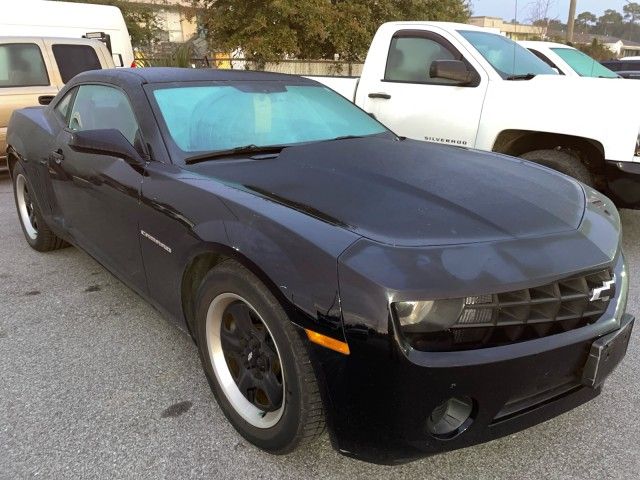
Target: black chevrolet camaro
pixel 415 298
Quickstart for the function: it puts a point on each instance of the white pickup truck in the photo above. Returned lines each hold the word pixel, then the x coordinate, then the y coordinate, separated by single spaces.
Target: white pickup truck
pixel 467 86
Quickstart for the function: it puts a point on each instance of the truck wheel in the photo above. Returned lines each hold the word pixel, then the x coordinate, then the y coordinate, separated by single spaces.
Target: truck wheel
pixel 38 235
pixel 255 361
pixel 563 162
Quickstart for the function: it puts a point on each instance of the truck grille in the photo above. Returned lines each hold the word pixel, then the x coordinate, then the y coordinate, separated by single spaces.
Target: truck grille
pixel 491 320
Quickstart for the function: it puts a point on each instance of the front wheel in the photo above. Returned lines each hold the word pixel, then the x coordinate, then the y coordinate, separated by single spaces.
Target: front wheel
pixel 255 361
pixel 38 235
pixel 563 162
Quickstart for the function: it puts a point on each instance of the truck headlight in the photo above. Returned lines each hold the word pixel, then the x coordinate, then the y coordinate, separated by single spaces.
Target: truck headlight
pixel 428 316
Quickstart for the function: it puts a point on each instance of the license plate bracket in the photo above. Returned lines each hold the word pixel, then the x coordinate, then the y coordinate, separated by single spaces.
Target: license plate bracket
pixel 606 353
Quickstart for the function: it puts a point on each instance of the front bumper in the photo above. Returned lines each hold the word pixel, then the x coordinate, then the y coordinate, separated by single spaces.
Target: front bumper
pixel 380 403
pixel 380 396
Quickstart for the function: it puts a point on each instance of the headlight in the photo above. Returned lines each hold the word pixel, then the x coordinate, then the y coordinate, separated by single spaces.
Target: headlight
pixel 428 316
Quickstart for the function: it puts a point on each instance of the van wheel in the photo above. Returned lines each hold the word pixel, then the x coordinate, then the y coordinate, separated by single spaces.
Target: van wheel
pixel 562 162
pixel 38 235
pixel 255 361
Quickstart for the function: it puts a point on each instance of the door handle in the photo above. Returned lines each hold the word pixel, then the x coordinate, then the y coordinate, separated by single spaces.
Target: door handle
pixel 45 99
pixel 56 156
pixel 384 96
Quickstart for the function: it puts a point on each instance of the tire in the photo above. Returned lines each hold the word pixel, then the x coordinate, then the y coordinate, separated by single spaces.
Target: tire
pixel 562 162
pixel 38 235
pixel 234 305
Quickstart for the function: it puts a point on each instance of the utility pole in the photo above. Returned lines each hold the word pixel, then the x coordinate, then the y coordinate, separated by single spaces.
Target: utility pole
pixel 571 20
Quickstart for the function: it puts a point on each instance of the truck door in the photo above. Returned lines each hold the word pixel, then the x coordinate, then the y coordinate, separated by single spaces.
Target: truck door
pixel 414 104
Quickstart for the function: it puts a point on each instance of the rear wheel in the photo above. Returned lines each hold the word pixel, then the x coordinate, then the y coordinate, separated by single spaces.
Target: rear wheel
pixel 563 162
pixel 255 361
pixel 38 235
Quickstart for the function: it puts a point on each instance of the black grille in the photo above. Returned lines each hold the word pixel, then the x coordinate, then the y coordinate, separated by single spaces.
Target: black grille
pixel 504 318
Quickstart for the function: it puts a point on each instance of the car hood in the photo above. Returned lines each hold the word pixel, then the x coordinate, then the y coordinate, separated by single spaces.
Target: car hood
pixel 411 193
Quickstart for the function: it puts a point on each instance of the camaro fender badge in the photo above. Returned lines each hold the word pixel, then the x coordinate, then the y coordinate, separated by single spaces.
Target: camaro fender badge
pixel 605 292
pixel 155 240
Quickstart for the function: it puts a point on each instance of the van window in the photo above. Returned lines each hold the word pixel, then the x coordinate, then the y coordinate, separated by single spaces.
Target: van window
pixel 75 59
pixel 21 65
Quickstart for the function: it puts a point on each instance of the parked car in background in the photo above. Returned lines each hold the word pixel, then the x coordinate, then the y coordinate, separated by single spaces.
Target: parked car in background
pixel 628 67
pixel 34 69
pixel 44 18
pixel 414 297
pixel 568 60
pixel 463 85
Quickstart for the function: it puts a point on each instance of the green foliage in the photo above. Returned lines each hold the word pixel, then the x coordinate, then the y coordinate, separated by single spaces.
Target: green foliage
pixel 141 20
pixel 585 20
pixel 631 12
pixel 595 50
pixel 612 22
pixel 180 57
pixel 268 30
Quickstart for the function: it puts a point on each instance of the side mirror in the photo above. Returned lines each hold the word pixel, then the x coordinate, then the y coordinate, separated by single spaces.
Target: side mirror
pixel 455 70
pixel 105 142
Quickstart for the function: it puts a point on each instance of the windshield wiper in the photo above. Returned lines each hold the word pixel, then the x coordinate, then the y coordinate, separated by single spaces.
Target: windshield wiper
pixel 525 76
pixel 243 150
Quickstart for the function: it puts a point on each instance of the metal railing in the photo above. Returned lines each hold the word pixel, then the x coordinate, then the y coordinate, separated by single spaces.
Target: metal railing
pixel 295 67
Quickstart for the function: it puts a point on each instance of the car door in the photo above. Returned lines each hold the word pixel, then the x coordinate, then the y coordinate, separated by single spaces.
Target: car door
pixel 97 194
pixel 24 78
pixel 418 106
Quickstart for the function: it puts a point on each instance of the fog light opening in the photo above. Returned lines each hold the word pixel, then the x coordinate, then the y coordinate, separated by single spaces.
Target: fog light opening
pixel 451 418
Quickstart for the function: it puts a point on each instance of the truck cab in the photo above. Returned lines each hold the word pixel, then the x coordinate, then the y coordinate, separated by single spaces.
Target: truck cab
pixel 468 86
pixel 34 69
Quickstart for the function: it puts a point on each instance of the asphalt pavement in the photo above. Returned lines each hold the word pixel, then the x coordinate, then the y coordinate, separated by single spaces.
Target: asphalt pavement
pixel 94 383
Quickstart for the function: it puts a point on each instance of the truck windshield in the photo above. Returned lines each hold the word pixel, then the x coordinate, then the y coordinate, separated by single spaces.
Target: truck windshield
pixel 214 118
pixel 583 64
pixel 509 59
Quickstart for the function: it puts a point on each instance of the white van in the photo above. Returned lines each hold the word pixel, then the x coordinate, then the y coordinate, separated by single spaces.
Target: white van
pixel 42 18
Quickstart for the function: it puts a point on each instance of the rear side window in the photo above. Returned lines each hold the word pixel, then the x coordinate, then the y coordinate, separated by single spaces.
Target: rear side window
pixel 410 60
pixel 64 105
pixel 21 65
pixel 75 59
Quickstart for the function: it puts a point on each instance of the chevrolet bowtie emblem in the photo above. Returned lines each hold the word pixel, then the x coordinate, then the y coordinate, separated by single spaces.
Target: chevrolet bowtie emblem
pixel 605 292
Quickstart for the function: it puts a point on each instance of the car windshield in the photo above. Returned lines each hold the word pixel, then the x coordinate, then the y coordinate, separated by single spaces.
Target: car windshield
pixel 508 58
pixel 210 118
pixel 583 64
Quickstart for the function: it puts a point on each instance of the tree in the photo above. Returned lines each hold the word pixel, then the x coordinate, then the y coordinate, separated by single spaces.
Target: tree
pixel 609 21
pixel 266 30
pixel 585 20
pixel 539 16
pixel 631 12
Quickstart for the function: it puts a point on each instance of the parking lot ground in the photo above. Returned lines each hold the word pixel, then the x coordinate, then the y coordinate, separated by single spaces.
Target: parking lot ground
pixel 94 383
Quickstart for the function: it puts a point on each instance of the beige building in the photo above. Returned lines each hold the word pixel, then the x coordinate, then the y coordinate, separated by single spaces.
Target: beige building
pixel 176 23
pixel 514 31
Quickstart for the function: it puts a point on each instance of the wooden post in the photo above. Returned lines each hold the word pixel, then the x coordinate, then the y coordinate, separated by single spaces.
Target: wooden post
pixel 571 20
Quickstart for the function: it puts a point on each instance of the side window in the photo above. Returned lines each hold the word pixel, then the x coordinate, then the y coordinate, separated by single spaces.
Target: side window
pixel 98 107
pixel 410 59
pixel 65 104
pixel 21 65
pixel 75 59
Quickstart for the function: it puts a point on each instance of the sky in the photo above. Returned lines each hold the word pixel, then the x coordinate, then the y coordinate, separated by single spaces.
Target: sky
pixel 559 8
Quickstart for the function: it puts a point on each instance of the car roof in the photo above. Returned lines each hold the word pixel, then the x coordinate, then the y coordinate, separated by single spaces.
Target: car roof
pixel 154 75
pixel 539 43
